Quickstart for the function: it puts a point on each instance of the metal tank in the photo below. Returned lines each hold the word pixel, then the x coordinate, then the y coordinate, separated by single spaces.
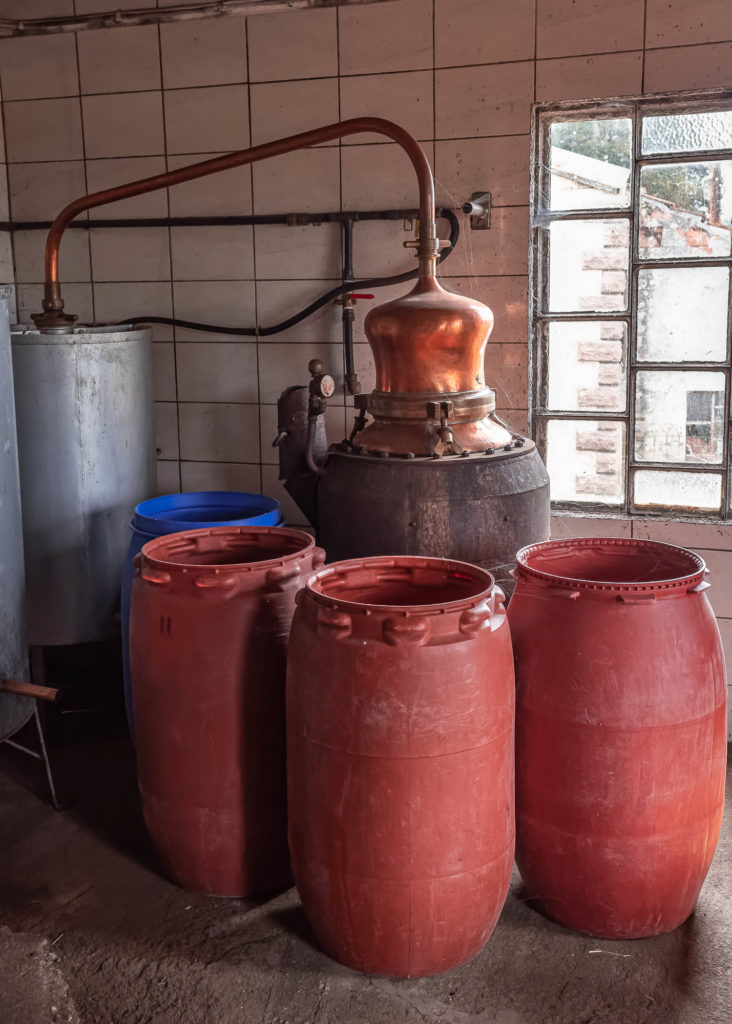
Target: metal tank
pixel 86 453
pixel 429 468
pixel 15 711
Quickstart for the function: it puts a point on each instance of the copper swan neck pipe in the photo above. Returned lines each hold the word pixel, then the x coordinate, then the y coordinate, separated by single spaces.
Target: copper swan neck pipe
pixel 428 246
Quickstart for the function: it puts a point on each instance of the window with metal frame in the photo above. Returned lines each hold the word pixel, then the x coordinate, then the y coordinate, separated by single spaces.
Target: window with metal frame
pixel 630 310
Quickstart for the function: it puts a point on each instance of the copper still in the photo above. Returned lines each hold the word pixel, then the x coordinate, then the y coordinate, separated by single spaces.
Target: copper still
pixel 429 469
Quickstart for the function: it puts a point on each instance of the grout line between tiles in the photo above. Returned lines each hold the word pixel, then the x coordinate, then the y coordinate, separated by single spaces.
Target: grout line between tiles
pixel 170 257
pixel 254 259
pixel 86 181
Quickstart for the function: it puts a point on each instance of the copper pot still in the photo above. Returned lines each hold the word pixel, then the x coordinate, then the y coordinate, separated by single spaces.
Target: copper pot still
pixel 429 469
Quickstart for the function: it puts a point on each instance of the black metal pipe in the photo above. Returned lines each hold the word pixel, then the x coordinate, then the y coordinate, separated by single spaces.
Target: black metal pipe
pixel 290 219
pixel 348 314
pixel 296 318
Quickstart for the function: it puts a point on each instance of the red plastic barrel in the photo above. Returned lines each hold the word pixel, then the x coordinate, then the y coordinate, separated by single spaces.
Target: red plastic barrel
pixel 400 702
pixel 620 733
pixel 211 614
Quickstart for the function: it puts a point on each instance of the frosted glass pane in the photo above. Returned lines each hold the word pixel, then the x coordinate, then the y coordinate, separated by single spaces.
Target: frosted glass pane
pixel 588 266
pixel 676 489
pixel 586 366
pixel 589 164
pixel 682 314
pixel 685 210
pixel 684 133
pixel 585 460
pixel 679 416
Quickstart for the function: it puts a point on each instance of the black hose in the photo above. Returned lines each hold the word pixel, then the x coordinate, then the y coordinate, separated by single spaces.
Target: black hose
pixel 296 318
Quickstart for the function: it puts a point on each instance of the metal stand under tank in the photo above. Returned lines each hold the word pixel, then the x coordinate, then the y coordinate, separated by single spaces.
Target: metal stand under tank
pixel 15 711
pixel 86 451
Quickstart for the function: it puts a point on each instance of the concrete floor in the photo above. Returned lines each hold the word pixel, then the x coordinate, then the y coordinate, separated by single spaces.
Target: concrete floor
pixel 90 932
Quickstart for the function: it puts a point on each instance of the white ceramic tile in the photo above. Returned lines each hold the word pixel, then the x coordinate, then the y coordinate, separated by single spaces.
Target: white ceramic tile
pixel 164 371
pixel 210 51
pixel 286 108
pixel 678 22
pixel 7 269
pixel 300 253
pixel 215 119
pixel 306 181
pixel 403 97
pixel 40 191
pixel 130 254
pixel 574 78
pixel 73 256
pixel 378 248
pixel 388 37
pixel 267 432
pixel 102 6
pixel 719 564
pixel 567 527
pixel 725 629
pixel 78 299
pixel 497 165
pixel 212 253
pixel 168 473
pixel 501 250
pixel 166 430
pixel 119 59
pixel 126 124
pixel 516 420
pixel 218 432
pixel 113 301
pixel 102 174
pixel 494 99
pixel 43 130
pixel 278 300
pixel 39 67
pixel 471 32
pixel 8 295
pixel 282 365
pixel 274 488
pixel 688 67
pixel 217 371
pixel 220 476
pixel 710 536
pixel 506 372
pixel 294 44
pixel 565 28
pixel 37 8
pixel 507 298
pixel 335 429
pixel 230 303
pixel 363 361
pixel 217 195
pixel 380 177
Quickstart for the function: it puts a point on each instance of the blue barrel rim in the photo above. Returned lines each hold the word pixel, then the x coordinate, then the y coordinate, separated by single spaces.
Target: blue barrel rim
pixel 156 516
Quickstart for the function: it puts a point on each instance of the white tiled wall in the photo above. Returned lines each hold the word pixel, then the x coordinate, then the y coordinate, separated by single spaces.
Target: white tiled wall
pixel 81 113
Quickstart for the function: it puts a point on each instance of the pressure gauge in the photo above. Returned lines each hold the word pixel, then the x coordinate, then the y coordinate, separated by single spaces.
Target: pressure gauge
pixel 325 385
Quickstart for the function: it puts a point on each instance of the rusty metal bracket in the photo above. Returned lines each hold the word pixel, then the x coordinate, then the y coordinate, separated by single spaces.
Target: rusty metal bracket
pixel 445 440
pixel 478 208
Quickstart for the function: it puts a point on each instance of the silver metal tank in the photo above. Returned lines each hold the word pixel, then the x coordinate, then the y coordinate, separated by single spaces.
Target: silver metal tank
pixel 14 711
pixel 86 449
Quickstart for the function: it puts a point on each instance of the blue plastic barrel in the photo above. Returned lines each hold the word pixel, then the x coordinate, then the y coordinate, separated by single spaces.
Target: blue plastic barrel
pixel 172 513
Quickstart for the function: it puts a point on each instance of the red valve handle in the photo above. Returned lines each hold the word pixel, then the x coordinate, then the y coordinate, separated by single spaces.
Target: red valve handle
pixel 355 295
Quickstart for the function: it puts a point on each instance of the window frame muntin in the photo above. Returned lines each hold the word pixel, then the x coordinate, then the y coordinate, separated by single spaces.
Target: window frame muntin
pixel 543 114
